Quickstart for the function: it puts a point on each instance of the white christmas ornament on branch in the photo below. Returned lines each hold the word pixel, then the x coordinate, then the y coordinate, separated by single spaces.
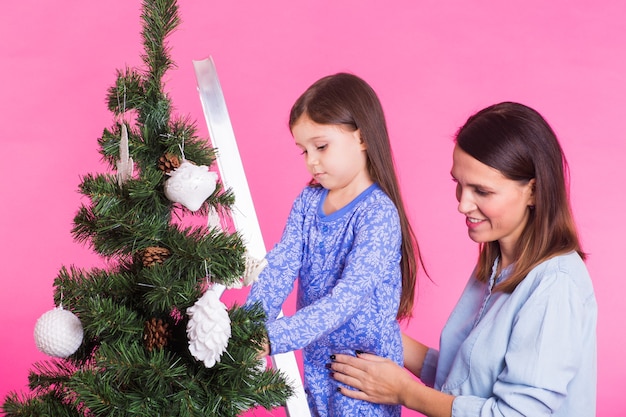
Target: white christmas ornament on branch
pixel 58 333
pixel 208 329
pixel 254 267
pixel 190 185
pixel 251 273
pixel 125 164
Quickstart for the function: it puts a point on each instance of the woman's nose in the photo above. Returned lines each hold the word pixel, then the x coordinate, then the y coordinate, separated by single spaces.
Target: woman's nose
pixel 466 204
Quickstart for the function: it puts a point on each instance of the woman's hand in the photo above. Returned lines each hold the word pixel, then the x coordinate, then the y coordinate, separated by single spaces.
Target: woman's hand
pixel 382 381
pixel 377 380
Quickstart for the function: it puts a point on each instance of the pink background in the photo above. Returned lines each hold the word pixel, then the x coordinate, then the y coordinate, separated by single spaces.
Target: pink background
pixel 432 63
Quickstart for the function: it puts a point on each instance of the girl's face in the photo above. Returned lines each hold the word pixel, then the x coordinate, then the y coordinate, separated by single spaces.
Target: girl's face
pixel 334 156
pixel 495 207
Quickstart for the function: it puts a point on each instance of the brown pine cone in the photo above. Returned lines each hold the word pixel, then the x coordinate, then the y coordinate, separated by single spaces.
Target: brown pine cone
pixel 154 255
pixel 168 162
pixel 156 333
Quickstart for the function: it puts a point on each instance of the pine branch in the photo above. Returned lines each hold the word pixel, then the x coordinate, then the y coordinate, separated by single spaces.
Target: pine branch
pixel 160 19
pixel 50 376
pixel 128 92
pixel 45 405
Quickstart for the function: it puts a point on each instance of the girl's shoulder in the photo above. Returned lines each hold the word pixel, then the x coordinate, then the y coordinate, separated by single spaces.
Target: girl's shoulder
pixel 310 193
pixel 378 198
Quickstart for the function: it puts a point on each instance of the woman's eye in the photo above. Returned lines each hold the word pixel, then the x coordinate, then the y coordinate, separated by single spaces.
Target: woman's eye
pixel 482 192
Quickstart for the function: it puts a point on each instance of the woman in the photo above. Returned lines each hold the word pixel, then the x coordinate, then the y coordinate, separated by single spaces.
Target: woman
pixel 521 340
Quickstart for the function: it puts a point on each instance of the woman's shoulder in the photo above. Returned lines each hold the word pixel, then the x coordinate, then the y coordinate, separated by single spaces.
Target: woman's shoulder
pixel 561 274
pixel 568 264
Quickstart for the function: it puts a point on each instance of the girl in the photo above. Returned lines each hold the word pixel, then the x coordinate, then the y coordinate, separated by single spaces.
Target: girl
pixel 348 241
pixel 522 339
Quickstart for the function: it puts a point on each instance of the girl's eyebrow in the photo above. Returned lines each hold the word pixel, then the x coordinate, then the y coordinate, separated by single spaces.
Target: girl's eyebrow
pixel 310 139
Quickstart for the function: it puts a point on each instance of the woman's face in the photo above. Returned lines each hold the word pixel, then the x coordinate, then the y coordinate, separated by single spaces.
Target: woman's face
pixel 495 207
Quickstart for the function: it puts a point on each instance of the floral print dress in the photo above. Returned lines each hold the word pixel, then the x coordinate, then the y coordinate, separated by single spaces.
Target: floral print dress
pixel 349 286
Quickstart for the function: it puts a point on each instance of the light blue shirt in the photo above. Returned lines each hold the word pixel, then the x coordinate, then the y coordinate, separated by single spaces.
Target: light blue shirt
pixel 349 286
pixel 528 353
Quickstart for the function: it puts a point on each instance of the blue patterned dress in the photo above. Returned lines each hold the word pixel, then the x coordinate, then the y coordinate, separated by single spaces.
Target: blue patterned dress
pixel 349 286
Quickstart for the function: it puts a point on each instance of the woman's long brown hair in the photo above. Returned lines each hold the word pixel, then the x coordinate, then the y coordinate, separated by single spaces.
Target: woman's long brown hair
pixel 517 141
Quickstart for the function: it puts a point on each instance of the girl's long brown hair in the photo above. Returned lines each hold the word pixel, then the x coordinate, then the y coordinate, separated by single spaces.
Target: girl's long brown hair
pixel 346 100
pixel 517 141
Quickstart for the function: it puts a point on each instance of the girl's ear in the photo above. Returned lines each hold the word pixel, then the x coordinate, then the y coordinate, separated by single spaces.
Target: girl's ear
pixel 357 134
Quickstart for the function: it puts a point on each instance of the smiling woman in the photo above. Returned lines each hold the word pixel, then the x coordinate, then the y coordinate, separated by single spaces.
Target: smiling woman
pixel 496 207
pixel 529 301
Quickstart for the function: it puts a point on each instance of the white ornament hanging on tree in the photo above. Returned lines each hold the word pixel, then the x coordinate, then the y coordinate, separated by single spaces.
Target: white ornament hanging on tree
pixel 208 329
pixel 214 221
pixel 251 273
pixel 190 185
pixel 58 333
pixel 254 267
pixel 125 164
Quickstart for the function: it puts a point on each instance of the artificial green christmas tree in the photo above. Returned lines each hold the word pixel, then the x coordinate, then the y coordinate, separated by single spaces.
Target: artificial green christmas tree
pixel 147 336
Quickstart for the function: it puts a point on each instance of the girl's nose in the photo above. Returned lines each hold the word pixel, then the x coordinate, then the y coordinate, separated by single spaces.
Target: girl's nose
pixel 311 159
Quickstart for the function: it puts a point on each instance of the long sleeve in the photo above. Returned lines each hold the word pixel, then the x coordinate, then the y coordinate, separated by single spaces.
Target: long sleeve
pixel 375 248
pixel 347 268
pixel 532 352
pixel 276 280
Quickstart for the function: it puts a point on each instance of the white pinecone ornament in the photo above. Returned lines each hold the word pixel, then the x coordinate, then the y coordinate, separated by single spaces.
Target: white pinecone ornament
pixel 208 329
pixel 190 185
pixel 58 333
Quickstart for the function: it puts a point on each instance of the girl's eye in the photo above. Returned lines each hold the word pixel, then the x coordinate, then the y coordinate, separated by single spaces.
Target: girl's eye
pixel 321 147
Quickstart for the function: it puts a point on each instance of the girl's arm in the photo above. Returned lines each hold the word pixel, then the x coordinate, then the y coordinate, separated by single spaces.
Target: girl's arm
pixel 376 242
pixel 276 280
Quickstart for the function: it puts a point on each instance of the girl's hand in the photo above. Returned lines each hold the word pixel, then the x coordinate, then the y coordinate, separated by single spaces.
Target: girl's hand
pixel 265 350
pixel 375 379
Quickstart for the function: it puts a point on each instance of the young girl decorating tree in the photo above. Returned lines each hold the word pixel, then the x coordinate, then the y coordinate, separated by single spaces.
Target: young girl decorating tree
pixel 347 240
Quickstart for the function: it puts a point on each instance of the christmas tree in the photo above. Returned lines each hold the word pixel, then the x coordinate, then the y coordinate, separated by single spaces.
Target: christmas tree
pixel 147 335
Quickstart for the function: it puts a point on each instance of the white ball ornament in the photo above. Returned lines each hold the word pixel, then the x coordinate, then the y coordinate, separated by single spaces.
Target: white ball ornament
pixel 58 333
pixel 190 185
pixel 208 329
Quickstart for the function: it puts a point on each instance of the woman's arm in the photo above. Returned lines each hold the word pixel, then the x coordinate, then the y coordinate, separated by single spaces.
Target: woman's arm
pixel 382 381
pixel 414 354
